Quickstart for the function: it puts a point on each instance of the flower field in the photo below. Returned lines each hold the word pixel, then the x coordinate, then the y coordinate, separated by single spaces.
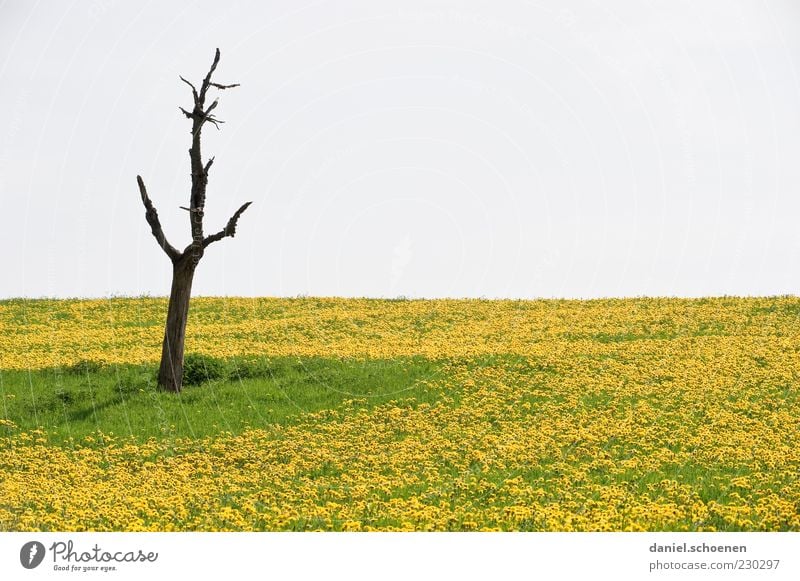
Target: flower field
pixel 356 414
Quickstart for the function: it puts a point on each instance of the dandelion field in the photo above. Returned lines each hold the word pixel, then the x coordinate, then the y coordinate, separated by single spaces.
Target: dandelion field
pixel 357 414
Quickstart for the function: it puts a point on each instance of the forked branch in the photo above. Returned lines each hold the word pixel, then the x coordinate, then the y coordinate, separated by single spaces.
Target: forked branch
pixel 199 114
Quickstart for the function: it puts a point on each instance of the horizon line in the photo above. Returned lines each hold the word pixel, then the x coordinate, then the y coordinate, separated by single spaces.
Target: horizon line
pixel 402 298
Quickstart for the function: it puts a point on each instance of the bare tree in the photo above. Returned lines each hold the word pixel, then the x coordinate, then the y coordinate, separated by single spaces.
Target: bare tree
pixel 170 373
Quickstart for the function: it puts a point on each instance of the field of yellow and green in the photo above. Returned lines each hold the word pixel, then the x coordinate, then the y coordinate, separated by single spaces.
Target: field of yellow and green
pixel 350 414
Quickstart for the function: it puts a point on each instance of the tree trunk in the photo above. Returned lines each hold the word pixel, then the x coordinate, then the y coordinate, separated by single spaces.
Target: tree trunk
pixel 170 375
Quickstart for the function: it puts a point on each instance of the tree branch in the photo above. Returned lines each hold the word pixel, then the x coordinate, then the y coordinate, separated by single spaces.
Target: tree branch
pixel 213 120
pixel 151 215
pixel 199 115
pixel 207 80
pixel 230 228
pixel 207 116
pixel 213 105
pixel 194 90
pixel 218 86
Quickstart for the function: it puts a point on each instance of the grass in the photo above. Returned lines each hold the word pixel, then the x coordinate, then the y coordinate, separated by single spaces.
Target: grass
pixel 123 400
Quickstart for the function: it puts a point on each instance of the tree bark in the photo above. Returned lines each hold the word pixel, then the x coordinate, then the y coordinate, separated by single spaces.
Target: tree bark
pixel 170 374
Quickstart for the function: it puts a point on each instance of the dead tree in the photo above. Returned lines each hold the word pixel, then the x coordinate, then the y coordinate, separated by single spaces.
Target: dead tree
pixel 170 373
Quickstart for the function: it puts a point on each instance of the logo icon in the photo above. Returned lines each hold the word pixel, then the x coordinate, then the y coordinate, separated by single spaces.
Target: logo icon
pixel 31 554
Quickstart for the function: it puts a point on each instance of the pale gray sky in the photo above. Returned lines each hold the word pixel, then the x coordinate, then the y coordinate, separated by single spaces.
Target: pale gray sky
pixel 416 148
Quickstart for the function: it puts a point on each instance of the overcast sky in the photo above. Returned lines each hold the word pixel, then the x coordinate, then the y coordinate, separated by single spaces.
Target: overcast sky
pixel 414 148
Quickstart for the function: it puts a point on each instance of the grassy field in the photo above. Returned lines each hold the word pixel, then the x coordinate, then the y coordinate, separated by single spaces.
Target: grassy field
pixel 225 396
pixel 350 414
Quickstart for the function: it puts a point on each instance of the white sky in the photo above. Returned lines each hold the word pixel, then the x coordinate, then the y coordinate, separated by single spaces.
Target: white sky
pixel 414 148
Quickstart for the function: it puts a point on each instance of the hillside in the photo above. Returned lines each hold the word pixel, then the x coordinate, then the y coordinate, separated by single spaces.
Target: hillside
pixel 359 414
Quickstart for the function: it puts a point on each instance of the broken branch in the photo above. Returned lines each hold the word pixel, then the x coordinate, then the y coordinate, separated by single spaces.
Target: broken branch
pixel 218 86
pixel 151 215
pixel 194 90
pixel 207 80
pixel 230 228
